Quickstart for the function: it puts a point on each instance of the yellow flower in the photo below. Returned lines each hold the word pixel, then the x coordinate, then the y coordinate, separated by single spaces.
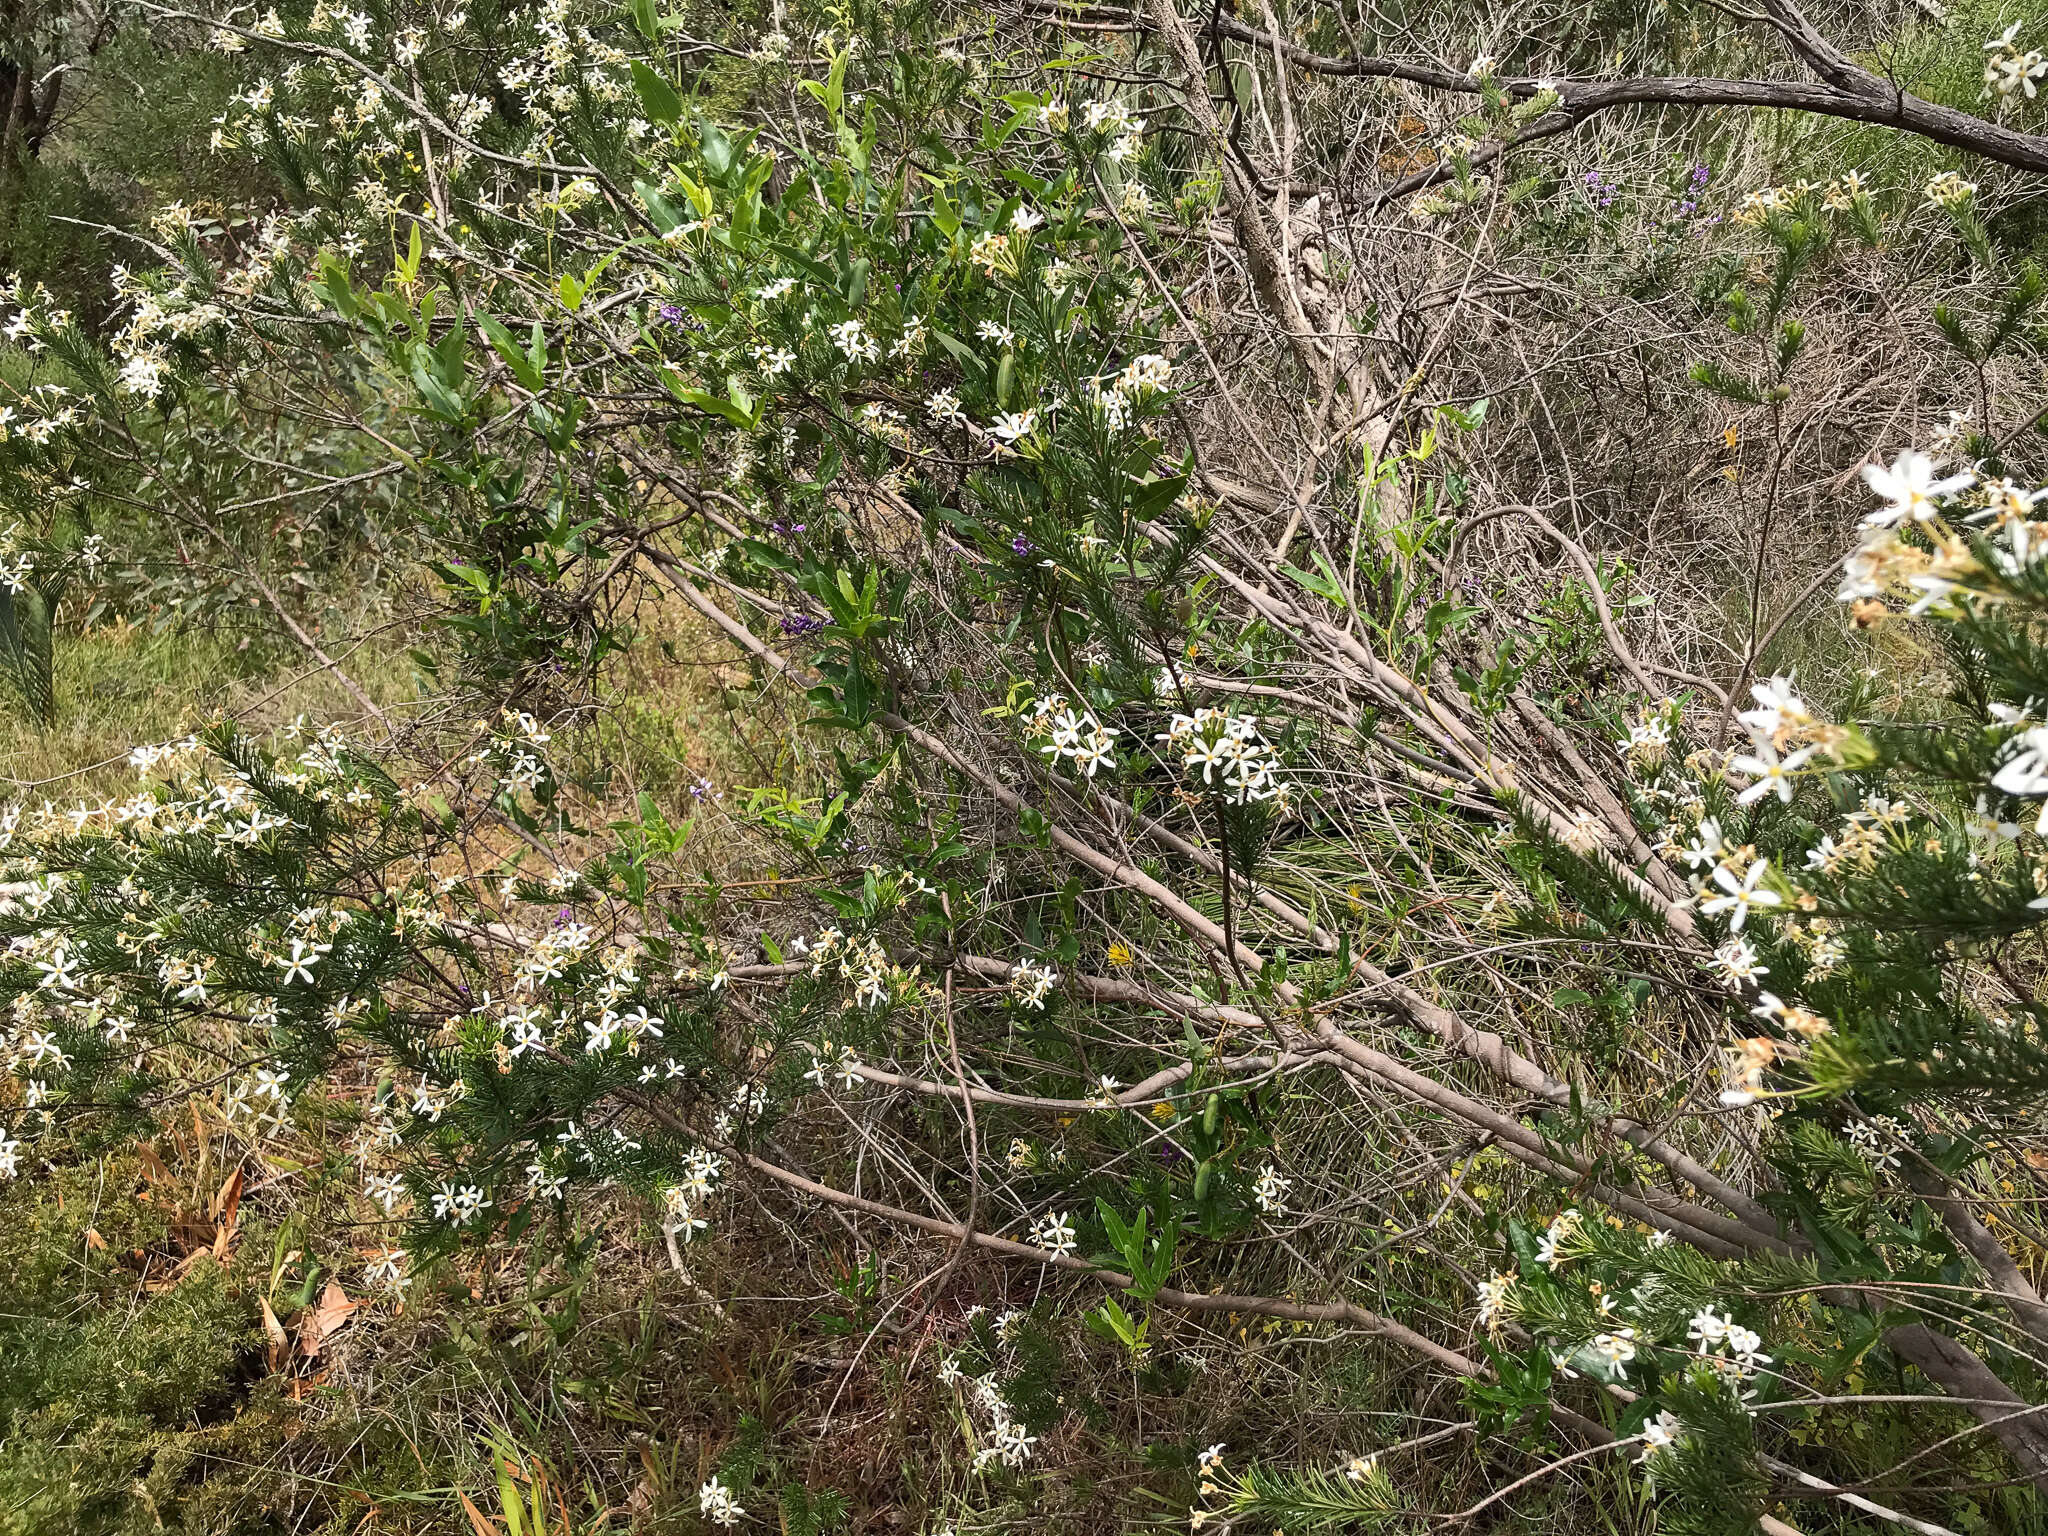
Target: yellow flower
pixel 1120 954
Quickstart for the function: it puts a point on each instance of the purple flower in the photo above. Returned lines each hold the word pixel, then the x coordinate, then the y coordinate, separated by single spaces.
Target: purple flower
pixel 784 530
pixel 1021 545
pixel 672 313
pixel 799 624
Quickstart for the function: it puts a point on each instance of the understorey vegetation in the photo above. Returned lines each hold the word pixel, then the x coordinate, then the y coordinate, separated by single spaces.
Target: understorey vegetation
pixel 943 769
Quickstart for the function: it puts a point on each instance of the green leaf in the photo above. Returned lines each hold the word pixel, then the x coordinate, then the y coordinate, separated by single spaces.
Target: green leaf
pixel 1326 587
pixel 738 415
pixel 659 208
pixel 657 96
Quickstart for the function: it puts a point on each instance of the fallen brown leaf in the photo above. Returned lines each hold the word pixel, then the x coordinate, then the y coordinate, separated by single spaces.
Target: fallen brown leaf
pixel 225 1204
pixel 318 1323
pixel 484 1526
pixel 278 1346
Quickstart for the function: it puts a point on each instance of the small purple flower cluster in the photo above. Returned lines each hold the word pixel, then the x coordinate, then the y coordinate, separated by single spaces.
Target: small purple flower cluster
pixel 674 314
pixel 1599 190
pixel 1021 545
pixel 1689 201
pixel 797 625
pixel 784 530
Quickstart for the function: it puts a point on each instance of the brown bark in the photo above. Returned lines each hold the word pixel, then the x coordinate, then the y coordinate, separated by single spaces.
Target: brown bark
pixel 1845 90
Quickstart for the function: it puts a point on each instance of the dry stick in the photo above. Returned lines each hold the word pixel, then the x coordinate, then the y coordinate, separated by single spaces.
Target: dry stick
pixel 1253 236
pixel 1577 551
pixel 1945 1361
pixel 1727 1236
pixel 973 1152
pixel 1483 1046
pixel 1540 1473
pixel 2019 1425
pixel 270 596
pixel 2023 1301
pixel 1493 773
pixel 1704 1229
pixel 1719 1235
pixel 1190 1301
pixel 1942 1359
pixel 1654 871
pixel 675 1259
pixel 1857 95
pixel 319 655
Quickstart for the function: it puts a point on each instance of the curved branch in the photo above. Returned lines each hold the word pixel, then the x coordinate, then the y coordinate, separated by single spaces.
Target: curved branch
pixel 1852 93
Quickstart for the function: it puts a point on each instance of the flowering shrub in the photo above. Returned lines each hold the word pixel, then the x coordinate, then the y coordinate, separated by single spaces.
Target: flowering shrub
pixel 906 413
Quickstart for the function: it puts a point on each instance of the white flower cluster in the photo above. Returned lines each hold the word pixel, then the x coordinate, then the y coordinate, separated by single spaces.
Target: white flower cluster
pixel 1079 738
pixel 1938 564
pixel 1729 1349
pixel 992 252
pixel 1010 428
pixel 1113 119
pixel 1649 740
pixel 682 1200
pixel 259 1099
pixel 459 1204
pixel 386 1272
pixel 1229 752
pixel 716 1504
pixel 861 961
pixel 838 1063
pixel 1661 1434
pixel 1838 195
pixel 1497 1301
pixel 1054 1232
pixel 1031 984
pixel 1006 1442
pixel 1740 880
pixel 515 752
pixel 1563 1240
pixel 853 341
pixel 1781 721
pixel 1878 1139
pixel 567 60
pixel 2008 72
pixel 743 1107
pixel 1116 394
pixel 1949 190
pixel 551 954
pixel 139 344
pixel 43 410
pixel 1270 1190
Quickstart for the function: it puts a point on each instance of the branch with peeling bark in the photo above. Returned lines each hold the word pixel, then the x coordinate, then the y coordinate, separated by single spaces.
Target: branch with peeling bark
pixel 1845 90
